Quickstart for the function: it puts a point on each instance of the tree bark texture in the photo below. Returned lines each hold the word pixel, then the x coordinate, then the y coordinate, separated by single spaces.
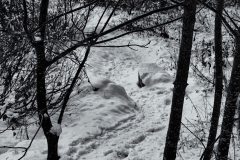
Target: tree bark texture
pixel 52 141
pixel 230 104
pixel 180 82
pixel 218 82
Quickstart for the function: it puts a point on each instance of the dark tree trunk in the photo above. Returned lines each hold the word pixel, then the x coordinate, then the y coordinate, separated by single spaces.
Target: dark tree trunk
pixel 41 90
pixel 46 123
pixel 218 82
pixel 180 83
pixel 238 121
pixel 230 105
pixel 52 141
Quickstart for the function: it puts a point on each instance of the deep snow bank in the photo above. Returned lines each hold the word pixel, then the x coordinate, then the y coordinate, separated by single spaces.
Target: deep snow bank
pixel 89 115
pixel 109 100
pixel 95 109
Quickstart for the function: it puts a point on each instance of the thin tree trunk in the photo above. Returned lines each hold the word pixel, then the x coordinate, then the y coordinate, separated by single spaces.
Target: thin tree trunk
pixel 52 140
pixel 180 83
pixel 218 82
pixel 230 105
pixel 39 46
pixel 238 121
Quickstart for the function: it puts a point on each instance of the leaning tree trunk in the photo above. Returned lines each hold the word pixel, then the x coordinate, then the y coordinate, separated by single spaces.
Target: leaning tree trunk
pixel 230 104
pixel 218 82
pixel 180 83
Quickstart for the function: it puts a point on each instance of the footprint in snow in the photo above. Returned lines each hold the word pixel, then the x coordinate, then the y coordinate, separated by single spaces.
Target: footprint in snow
pixel 138 139
pixel 152 130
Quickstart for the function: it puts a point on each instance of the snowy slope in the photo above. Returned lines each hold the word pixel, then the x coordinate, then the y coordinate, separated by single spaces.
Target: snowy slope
pixel 112 123
pixel 119 120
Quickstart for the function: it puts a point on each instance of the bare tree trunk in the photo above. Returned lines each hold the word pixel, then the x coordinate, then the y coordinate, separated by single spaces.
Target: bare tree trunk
pixel 238 121
pixel 180 83
pixel 52 141
pixel 230 105
pixel 39 46
pixel 218 82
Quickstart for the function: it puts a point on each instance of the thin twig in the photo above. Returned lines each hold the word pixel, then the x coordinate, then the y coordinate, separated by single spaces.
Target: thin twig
pixel 32 138
pixel 67 51
pixel 194 135
pixel 13 147
pixel 26 149
pixel 223 19
pixel 63 14
pixel 128 45
pixel 209 147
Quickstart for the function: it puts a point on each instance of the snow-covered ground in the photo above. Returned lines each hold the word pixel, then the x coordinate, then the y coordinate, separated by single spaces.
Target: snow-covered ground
pixel 119 120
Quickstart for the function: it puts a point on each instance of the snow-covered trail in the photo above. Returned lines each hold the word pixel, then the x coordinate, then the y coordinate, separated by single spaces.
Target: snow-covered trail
pixel 142 135
pixel 121 120
pixel 112 124
pixel 137 133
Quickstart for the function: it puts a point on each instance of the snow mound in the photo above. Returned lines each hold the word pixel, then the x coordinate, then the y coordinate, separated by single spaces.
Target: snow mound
pixel 105 89
pixel 110 99
pixel 94 110
pixel 151 74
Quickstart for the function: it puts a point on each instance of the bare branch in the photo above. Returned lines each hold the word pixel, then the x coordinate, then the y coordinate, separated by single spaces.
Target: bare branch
pixel 193 134
pixel 13 147
pixel 67 51
pixel 26 149
pixel 128 45
pixel 209 147
pixel 69 90
pixel 63 14
pixel 25 21
pixel 179 3
pixel 138 30
pixel 101 17
pixel 223 19
pixel 110 16
pixel 231 19
pixel 2 131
